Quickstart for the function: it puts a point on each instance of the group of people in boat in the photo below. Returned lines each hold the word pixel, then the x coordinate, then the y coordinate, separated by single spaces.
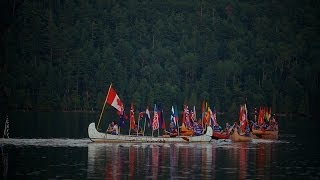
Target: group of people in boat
pixel 270 125
pixel 113 128
pixel 195 128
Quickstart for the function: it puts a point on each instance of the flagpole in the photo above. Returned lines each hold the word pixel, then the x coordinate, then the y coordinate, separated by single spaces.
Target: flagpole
pixel 103 106
pixel 130 127
pixel 159 123
pixel 178 127
pixel 144 127
pixel 176 111
pixel 138 126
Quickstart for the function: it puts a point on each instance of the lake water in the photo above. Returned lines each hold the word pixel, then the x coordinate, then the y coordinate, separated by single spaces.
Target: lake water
pixel 46 146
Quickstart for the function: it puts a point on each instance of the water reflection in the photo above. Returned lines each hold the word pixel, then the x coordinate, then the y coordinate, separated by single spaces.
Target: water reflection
pixel 216 160
pixel 169 161
pixel 172 161
pixel 4 164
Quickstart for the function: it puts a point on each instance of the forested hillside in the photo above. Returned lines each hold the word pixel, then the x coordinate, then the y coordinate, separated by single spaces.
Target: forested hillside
pixel 63 54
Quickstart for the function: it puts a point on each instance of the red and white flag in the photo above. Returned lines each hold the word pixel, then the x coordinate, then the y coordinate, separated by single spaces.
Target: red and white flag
pixel 155 122
pixel 132 121
pixel 114 100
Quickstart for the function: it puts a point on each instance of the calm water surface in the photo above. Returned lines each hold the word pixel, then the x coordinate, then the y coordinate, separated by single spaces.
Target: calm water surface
pixel 73 156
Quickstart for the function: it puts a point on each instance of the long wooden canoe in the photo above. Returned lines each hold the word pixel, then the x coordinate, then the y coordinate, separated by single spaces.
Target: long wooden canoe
pixel 265 134
pixel 96 136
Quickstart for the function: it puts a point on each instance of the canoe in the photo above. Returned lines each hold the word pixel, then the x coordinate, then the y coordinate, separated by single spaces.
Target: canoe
pixel 96 136
pixel 220 135
pixel 263 134
pixel 236 137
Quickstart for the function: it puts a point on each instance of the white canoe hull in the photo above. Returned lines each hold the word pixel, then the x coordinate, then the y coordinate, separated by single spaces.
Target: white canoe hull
pixel 96 136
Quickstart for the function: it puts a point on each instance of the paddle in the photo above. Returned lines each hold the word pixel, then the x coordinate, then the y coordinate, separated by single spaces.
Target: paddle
pixel 230 129
pixel 185 138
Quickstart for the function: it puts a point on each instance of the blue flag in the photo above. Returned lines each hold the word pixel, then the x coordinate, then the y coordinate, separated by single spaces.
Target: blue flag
pixel 121 119
pixel 148 117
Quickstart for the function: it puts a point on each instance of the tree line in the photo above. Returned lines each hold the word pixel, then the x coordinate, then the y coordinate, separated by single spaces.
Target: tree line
pixel 63 55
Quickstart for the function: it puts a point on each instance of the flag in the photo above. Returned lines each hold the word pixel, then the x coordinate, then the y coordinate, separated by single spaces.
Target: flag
pixel 242 118
pixel 141 114
pixel 260 117
pixel 206 118
pixel 6 128
pixel 211 123
pixel 132 121
pixel 194 113
pixel 203 113
pixel 172 118
pixel 191 115
pixel 191 118
pixel 176 117
pixel 185 116
pixel 148 116
pixel 162 122
pixel 214 118
pixel 113 99
pixel 121 119
pixel 155 121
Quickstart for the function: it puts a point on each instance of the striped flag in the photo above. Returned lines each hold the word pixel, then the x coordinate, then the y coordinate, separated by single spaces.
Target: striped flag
pixel 155 121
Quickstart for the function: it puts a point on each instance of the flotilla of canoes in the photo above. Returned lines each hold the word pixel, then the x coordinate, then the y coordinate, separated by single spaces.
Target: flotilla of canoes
pixel 205 129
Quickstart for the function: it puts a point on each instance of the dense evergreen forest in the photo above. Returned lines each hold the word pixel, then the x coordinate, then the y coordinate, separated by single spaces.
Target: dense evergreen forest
pixel 63 54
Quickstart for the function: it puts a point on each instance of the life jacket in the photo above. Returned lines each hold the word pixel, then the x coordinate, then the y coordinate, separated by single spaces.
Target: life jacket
pixel 217 128
pixel 198 129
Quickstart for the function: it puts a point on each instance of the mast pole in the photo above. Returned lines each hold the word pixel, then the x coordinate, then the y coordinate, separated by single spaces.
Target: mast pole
pixel 104 105
pixel 138 125
pixel 178 128
pixel 177 119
